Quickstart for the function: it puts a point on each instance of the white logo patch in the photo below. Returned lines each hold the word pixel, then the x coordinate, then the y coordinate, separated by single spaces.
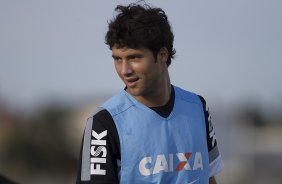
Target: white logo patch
pixel 98 153
pixel 165 163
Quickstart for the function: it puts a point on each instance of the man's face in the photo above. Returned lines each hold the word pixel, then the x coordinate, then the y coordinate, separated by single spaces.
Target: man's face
pixel 139 70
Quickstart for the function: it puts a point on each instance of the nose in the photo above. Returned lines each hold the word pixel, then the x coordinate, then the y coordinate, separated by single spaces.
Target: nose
pixel 126 68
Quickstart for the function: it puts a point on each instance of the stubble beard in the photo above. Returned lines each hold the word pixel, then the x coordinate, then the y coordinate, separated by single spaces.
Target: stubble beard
pixel 143 90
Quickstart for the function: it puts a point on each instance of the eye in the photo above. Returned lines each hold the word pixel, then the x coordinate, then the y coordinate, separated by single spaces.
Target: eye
pixel 135 57
pixel 117 59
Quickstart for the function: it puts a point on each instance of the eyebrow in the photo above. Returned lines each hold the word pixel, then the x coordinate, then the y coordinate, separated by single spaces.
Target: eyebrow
pixel 115 57
pixel 129 56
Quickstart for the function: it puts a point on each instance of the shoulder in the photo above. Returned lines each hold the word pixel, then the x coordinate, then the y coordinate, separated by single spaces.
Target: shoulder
pixel 101 115
pixel 204 103
pixel 118 103
pixel 101 120
pixel 187 96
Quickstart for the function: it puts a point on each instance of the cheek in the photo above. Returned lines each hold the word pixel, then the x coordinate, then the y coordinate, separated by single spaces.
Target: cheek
pixel 142 68
pixel 118 70
pixel 155 74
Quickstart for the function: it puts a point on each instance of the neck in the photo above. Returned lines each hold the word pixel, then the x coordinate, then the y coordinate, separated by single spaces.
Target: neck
pixel 158 96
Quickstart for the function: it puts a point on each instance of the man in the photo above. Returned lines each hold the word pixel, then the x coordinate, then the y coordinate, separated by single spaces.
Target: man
pixel 152 131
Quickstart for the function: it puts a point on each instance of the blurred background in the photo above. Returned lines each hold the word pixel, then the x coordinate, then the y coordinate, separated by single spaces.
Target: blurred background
pixel 55 70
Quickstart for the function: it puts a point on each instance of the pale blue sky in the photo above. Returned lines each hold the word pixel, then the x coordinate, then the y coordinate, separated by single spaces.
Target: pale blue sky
pixel 226 50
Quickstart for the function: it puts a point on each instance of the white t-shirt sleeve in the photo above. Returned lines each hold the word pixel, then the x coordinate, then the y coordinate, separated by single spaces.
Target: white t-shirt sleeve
pixel 216 166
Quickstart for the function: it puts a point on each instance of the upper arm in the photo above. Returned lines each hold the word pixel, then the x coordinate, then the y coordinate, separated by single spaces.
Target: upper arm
pixel 99 151
pixel 215 161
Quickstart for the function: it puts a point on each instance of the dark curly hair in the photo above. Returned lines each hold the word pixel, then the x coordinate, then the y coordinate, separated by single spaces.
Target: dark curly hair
pixel 138 26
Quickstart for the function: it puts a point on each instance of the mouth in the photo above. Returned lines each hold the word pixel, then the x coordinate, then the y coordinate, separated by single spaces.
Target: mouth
pixel 131 82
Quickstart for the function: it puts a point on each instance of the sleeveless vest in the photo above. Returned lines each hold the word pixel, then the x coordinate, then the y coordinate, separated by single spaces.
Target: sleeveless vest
pixel 159 150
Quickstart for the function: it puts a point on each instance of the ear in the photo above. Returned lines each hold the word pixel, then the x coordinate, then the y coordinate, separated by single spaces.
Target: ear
pixel 163 55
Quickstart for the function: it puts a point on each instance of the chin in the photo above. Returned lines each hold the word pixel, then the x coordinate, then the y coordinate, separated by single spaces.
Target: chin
pixel 134 91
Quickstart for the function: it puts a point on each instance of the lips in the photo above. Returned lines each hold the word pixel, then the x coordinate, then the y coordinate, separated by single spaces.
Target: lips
pixel 131 82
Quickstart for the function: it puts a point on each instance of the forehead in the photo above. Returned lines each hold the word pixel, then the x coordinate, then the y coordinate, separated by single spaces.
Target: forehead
pixel 124 51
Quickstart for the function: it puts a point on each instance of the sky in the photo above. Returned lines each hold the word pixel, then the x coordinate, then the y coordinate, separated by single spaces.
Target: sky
pixel 225 50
